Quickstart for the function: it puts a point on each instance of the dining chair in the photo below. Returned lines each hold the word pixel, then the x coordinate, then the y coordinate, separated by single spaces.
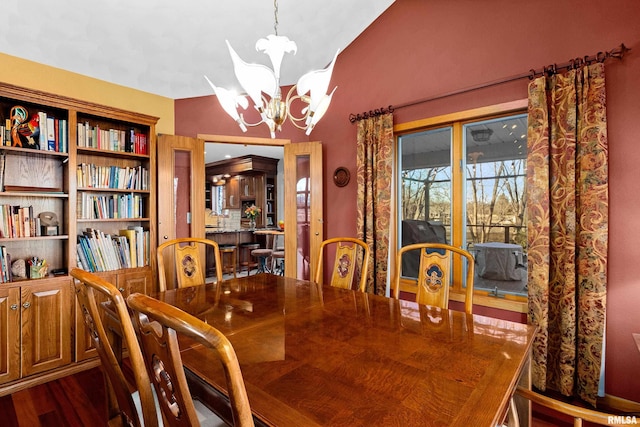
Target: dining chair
pixel 189 261
pixel 578 413
pixel 158 324
pixel 434 273
pixel 346 262
pixel 124 408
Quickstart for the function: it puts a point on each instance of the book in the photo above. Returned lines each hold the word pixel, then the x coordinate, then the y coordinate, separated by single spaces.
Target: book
pixel 131 241
pixel 140 244
pixel 51 134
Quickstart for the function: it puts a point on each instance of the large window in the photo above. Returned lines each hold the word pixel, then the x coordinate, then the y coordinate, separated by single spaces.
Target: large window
pixel 464 184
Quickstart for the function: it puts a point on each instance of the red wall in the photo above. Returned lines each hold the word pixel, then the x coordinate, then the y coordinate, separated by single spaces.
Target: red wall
pixel 420 49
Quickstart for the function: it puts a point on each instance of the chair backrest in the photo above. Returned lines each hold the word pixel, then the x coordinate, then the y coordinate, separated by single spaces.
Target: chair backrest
pixel 158 324
pixel 578 413
pixel 434 273
pixel 346 262
pixel 121 408
pixel 189 261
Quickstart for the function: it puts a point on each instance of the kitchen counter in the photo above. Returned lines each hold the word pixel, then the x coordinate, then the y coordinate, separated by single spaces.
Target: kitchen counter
pixel 216 230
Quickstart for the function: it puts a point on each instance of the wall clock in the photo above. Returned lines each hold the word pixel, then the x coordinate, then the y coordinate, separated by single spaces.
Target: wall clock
pixel 341 176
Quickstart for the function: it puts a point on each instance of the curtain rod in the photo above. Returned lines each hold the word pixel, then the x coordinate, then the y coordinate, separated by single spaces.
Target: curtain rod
pixel 549 70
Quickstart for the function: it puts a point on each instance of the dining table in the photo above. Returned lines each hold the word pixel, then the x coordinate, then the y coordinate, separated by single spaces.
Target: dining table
pixel 314 355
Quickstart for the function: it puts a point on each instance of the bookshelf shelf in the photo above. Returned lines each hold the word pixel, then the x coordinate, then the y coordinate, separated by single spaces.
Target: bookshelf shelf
pixel 35 194
pixel 85 220
pixel 111 154
pixel 32 152
pixel 26 239
pixel 111 190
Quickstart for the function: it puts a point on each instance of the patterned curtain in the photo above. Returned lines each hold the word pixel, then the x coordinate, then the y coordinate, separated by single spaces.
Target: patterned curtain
pixel 375 173
pixel 567 180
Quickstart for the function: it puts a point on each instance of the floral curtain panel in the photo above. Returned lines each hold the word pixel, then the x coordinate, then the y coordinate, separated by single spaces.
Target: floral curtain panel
pixel 374 176
pixel 567 180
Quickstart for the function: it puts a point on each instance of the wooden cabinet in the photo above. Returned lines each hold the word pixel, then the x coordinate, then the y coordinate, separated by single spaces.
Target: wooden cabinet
pixel 127 282
pixel 247 187
pixel 73 168
pixel 271 207
pixel 36 328
pixel 232 193
pixel 253 181
pixel 9 334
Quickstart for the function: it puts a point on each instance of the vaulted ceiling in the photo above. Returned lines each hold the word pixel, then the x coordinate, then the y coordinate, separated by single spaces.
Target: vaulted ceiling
pixel 165 47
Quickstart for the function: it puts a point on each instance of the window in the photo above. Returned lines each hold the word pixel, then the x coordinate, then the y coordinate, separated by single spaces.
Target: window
pixel 463 183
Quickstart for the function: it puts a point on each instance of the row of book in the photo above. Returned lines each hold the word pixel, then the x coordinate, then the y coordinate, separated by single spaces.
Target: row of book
pixel 128 178
pixel 128 141
pixel 18 221
pixel 44 133
pixel 5 265
pixel 97 251
pixel 112 206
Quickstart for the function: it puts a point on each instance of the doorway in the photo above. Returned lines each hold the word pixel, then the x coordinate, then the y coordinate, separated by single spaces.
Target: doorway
pixel 295 155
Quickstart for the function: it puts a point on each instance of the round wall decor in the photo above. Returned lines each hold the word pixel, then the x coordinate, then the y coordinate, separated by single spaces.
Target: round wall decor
pixel 341 176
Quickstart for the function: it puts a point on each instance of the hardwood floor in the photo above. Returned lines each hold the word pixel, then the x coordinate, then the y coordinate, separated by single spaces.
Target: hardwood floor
pixel 74 401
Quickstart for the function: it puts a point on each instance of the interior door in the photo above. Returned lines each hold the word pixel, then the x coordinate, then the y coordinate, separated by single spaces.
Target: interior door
pixel 303 207
pixel 181 190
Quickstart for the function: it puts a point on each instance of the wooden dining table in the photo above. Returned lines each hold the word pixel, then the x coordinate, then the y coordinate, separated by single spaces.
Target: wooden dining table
pixel 316 355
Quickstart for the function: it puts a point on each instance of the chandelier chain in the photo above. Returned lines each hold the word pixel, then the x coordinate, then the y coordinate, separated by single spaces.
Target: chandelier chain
pixel 275 15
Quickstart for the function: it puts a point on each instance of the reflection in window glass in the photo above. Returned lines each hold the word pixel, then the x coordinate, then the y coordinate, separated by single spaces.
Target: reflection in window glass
pixel 425 192
pixel 496 152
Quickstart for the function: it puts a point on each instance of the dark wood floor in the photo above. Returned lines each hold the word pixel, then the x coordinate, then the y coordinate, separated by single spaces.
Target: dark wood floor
pixel 74 401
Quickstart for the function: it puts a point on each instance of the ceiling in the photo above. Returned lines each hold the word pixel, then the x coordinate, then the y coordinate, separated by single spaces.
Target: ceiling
pixel 165 47
pixel 214 152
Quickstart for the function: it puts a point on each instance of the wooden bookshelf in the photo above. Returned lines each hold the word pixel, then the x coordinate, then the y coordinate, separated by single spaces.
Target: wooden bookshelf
pixel 46 181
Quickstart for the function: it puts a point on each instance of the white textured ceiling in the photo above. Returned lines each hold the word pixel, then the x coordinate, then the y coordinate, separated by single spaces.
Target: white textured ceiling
pixel 165 46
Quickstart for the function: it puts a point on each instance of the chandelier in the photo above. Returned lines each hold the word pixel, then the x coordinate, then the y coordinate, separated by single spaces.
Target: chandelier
pixel 262 86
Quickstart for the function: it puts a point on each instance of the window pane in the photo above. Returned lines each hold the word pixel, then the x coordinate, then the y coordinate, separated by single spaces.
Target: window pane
pixel 425 190
pixel 496 152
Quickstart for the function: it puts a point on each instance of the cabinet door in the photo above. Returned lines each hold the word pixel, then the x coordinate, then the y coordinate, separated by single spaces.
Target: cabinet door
pixel 135 281
pixel 84 345
pixel 9 334
pixel 232 193
pixel 247 186
pixel 46 325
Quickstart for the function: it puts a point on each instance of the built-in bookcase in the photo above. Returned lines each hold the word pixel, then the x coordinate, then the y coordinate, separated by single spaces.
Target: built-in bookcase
pixel 69 170
pixel 85 167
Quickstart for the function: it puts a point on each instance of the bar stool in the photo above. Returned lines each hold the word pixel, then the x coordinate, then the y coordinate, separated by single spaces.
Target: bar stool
pixel 262 255
pixel 245 256
pixel 230 250
pixel 277 262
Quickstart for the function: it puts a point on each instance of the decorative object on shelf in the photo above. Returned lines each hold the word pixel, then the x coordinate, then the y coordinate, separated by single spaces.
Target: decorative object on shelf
pixel 37 268
pixel 281 225
pixel 18 115
pixel 257 79
pixel 48 223
pixel 19 268
pixel 341 176
pixel 252 213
